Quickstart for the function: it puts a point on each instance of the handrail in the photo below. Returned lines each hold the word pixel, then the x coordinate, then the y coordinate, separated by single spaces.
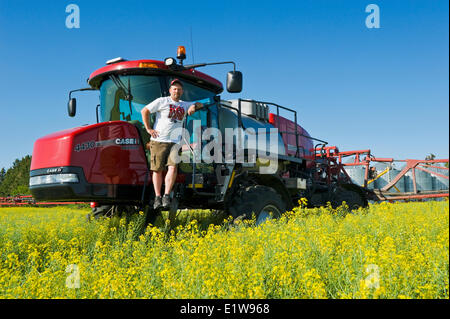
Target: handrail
pixel 297 134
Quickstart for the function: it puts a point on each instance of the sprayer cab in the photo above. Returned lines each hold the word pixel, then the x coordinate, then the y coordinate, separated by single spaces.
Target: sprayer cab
pixel 140 81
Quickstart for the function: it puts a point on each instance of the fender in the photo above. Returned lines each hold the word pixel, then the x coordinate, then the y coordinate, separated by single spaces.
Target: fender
pixel 277 184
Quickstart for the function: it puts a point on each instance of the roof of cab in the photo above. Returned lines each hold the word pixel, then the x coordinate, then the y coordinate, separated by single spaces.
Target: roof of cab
pixel 152 66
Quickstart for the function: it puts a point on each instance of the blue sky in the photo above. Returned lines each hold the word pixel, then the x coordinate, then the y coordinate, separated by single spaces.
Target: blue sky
pixel 385 89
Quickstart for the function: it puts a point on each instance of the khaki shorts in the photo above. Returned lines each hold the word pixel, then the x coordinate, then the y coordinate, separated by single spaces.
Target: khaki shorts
pixel 162 155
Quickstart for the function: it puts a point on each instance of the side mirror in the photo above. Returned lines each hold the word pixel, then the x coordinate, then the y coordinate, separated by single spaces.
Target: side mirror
pixel 72 107
pixel 234 82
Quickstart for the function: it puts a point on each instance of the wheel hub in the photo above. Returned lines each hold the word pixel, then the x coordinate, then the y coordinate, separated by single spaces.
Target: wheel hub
pixel 268 212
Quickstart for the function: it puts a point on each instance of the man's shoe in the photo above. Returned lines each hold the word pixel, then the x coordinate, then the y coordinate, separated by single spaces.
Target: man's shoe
pixel 158 202
pixel 166 201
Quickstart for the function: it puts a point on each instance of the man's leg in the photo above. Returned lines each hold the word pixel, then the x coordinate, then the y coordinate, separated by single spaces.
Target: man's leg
pixel 170 179
pixel 157 180
pixel 157 167
pixel 172 163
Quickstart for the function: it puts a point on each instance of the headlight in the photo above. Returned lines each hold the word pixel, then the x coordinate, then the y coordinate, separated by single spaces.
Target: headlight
pixel 53 179
pixel 170 61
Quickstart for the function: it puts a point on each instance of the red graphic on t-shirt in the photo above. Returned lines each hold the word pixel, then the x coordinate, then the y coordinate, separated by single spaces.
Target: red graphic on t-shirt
pixel 176 112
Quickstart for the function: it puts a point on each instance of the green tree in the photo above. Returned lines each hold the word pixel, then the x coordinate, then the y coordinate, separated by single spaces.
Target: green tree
pixel 2 175
pixel 21 190
pixel 16 179
pixel 429 157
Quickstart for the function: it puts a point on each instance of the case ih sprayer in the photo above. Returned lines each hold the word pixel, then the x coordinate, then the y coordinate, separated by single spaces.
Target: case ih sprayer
pixel 264 167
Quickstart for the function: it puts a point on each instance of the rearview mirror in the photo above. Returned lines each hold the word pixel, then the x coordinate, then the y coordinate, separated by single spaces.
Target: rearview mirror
pixel 234 82
pixel 72 107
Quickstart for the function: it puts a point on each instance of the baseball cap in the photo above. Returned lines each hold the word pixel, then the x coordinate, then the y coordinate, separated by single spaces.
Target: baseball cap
pixel 176 81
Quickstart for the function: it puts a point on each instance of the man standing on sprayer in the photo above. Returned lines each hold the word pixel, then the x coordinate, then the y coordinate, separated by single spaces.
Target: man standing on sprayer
pixel 170 112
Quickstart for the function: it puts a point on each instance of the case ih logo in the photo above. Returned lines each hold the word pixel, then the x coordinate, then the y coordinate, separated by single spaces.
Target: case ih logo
pixel 93 144
pixel 54 170
pixel 127 141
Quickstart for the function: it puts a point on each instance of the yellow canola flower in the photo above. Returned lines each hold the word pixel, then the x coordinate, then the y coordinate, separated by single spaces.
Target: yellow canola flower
pixel 388 250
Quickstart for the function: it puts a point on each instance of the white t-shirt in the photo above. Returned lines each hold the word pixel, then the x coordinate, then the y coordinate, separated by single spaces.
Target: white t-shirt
pixel 169 116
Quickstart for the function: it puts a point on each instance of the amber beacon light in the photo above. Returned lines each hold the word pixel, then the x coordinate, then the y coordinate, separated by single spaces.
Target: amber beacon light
pixel 181 53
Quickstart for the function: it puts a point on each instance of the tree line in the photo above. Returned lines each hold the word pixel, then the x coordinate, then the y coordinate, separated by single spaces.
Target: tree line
pixel 15 180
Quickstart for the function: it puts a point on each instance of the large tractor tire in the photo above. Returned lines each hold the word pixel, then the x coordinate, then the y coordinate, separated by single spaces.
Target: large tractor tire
pixel 353 199
pixel 260 200
pixel 101 211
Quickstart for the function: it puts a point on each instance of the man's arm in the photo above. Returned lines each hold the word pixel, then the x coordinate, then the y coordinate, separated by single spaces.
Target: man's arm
pixel 146 120
pixel 194 107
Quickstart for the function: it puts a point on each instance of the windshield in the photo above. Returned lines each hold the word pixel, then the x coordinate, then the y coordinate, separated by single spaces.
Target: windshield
pixel 114 105
pixel 192 93
pixel 144 89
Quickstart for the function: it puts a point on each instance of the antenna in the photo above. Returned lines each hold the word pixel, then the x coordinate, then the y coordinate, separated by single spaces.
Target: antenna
pixel 192 46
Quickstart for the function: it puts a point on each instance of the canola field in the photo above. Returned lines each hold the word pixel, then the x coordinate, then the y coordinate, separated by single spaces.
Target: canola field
pixel 387 250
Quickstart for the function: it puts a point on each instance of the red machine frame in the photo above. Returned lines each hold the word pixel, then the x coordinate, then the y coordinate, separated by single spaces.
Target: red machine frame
pixel 336 169
pixel 28 200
